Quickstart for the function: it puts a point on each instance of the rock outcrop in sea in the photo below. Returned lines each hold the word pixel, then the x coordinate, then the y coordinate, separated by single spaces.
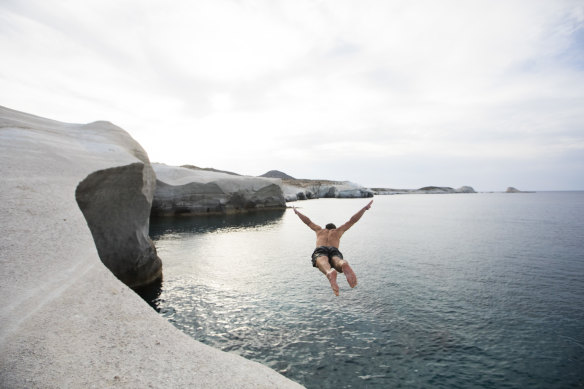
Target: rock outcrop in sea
pixel 424 190
pixel 304 189
pixel 515 190
pixel 71 194
pixel 187 191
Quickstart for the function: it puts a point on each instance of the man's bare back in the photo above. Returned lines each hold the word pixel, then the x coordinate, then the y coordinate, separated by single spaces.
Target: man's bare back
pixel 326 237
pixel 326 256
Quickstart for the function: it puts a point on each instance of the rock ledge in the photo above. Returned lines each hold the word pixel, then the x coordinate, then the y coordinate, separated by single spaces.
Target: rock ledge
pixel 68 321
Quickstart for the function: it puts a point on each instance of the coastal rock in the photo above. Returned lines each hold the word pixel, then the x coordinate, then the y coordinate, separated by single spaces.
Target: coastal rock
pixel 424 190
pixel 181 190
pixel 512 190
pixel 435 190
pixel 465 189
pixel 309 189
pixel 116 204
pixel 68 321
pixel 390 191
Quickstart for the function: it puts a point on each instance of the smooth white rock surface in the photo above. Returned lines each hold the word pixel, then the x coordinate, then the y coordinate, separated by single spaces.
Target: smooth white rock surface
pixel 67 321
pixel 341 190
pixel 190 191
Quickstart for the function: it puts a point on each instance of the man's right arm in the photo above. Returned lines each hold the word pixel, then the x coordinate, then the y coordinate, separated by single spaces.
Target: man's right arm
pixel 307 221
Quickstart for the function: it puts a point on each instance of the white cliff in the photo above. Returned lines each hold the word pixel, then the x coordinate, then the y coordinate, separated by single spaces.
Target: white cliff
pixel 183 190
pixel 310 189
pixel 70 194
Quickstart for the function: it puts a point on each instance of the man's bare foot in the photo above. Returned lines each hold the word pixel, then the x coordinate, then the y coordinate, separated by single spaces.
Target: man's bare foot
pixel 332 277
pixel 350 274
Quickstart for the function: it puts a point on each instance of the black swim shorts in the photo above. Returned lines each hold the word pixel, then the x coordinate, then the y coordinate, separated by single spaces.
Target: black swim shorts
pixel 328 251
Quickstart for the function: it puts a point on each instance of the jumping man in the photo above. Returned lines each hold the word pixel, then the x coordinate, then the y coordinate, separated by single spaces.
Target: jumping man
pixel 327 257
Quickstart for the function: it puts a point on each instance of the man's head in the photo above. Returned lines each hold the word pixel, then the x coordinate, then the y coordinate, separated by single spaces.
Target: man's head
pixel 330 226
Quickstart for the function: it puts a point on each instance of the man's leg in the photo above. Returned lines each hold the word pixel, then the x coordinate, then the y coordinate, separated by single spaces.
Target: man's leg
pixel 342 266
pixel 323 265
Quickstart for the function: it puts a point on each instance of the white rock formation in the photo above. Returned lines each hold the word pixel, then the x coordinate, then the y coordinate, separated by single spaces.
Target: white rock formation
pixel 344 189
pixel 294 193
pixel 424 190
pixel 67 321
pixel 444 189
pixel 187 191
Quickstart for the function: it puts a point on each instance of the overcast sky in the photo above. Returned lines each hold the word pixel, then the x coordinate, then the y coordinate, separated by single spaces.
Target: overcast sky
pixel 398 94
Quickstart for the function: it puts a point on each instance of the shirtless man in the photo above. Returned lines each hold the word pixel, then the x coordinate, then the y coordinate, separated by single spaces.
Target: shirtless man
pixel 327 256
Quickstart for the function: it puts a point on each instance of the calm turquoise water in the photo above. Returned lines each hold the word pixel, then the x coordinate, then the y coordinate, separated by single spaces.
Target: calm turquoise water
pixel 455 291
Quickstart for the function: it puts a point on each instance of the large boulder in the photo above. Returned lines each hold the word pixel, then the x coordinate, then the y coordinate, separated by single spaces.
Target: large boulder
pixel 182 190
pixel 68 321
pixel 116 203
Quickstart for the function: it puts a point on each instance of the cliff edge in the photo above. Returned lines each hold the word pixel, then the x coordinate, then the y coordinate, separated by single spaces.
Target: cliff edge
pixel 71 194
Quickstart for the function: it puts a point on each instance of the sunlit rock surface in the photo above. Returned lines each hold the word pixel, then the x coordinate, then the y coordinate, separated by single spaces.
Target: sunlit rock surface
pixel 183 190
pixel 115 195
pixel 309 189
pixel 67 321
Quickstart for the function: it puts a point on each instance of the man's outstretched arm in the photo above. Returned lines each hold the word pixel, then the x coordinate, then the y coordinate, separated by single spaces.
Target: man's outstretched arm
pixel 307 221
pixel 355 218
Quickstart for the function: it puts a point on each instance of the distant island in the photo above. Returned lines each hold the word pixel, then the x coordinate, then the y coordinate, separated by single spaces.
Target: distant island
pixel 424 190
pixel 515 190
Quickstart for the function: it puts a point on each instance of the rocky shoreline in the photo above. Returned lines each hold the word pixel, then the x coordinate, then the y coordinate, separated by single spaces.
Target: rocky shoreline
pixel 74 210
pixel 188 190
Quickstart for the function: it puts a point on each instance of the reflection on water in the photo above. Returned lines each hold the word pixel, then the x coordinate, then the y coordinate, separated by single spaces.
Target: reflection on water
pixel 159 227
pixel 182 230
pixel 455 291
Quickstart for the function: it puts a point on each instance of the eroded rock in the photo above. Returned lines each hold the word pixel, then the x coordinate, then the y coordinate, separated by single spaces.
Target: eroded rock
pixel 116 204
pixel 182 191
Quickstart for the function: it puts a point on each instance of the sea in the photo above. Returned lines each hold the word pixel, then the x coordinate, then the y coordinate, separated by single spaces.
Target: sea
pixel 480 290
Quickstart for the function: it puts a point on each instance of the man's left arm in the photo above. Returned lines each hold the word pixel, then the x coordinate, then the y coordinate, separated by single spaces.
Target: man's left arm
pixel 355 218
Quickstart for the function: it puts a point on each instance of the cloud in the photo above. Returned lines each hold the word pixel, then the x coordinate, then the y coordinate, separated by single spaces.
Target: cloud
pixel 307 86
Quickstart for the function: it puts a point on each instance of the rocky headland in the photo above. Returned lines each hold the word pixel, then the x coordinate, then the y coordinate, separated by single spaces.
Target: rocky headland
pixel 190 190
pixel 74 212
pixel 424 190
pixel 304 189
pixel 194 191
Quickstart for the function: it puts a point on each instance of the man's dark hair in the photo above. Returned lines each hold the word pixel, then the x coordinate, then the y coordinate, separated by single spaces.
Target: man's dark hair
pixel 330 226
